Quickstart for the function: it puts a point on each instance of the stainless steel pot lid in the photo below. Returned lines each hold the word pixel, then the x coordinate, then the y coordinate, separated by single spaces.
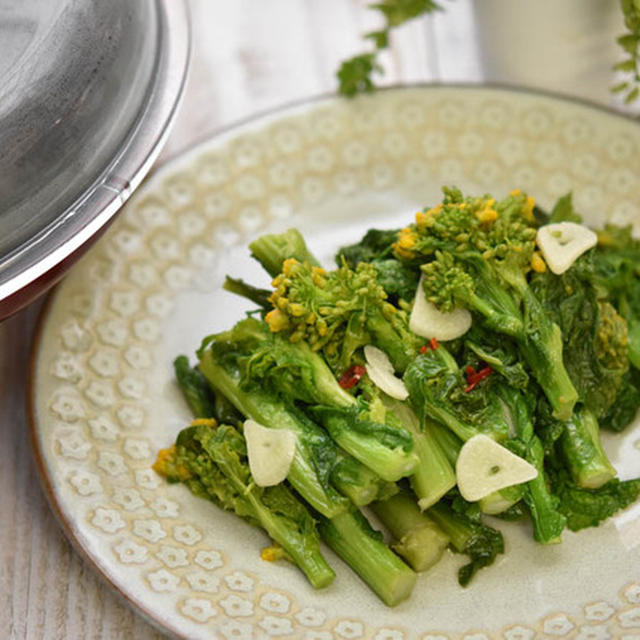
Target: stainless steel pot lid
pixel 88 90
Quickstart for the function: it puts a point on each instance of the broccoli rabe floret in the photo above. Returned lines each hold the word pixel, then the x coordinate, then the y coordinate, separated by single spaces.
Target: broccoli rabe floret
pixel 212 461
pixel 337 312
pixel 297 373
pixel 477 253
pixel 594 335
pixel 398 279
pixel 617 264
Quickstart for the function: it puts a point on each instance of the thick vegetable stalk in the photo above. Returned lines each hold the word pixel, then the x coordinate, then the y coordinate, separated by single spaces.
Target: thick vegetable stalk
pixel 580 443
pixel 364 440
pixel 548 522
pixel 541 346
pixel 350 535
pixel 417 538
pixel 496 502
pixel 212 461
pixel 271 250
pixel 434 476
pixel 361 485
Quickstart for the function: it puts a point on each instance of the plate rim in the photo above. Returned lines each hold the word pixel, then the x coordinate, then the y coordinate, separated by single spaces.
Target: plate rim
pixel 221 134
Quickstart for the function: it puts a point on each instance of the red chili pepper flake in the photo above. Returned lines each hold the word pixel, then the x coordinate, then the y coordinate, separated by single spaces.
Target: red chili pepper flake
pixel 473 376
pixel 483 373
pixel 433 344
pixel 351 376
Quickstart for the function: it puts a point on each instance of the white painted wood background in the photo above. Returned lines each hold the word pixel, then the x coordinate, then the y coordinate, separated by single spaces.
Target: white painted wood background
pixel 248 56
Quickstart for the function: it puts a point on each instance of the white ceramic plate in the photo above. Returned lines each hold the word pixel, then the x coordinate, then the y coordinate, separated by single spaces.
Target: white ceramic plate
pixel 104 400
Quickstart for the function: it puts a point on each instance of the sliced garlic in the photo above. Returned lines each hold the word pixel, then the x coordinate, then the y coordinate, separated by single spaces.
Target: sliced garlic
pixel 484 466
pixel 270 452
pixel 428 322
pixel 563 243
pixel 380 371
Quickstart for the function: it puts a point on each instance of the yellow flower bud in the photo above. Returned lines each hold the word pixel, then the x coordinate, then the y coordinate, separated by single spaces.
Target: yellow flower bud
pixel 527 209
pixel 318 277
pixel 277 320
pixel 204 422
pixel 487 215
pixel 537 263
pixel 289 265
pixel 424 218
pixel 296 309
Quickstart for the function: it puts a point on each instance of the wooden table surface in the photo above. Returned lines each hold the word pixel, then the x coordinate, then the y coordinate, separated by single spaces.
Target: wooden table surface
pixel 248 56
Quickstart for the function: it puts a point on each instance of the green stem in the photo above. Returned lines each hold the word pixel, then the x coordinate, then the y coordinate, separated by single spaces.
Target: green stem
pixel 541 347
pixel 548 522
pixel 499 501
pixel 298 547
pixel 588 464
pixel 361 485
pixel 418 539
pixel 245 290
pixel 352 538
pixel 459 532
pixel 434 475
pixel 390 464
pixel 271 250
pixel 448 441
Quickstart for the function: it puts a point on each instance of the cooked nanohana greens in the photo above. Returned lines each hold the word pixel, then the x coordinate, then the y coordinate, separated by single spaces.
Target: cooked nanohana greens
pixel 507 412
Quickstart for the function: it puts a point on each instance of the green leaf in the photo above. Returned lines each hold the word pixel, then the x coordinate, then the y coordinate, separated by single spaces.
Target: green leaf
pixel 398 12
pixel 632 95
pixel 629 42
pixel 625 65
pixel 354 75
pixel 618 88
pixel 563 211
pixel 195 388
pixel 379 38
pixel 588 507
